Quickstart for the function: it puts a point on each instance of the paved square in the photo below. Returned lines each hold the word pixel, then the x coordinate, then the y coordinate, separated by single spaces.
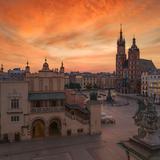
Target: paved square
pixel 102 147
pixel 62 156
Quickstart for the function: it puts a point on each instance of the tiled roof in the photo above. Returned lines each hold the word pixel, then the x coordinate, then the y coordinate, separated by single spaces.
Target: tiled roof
pixel 146 65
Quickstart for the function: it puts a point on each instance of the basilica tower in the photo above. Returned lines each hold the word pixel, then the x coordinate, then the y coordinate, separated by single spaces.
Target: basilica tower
pixel 121 55
pixel 133 57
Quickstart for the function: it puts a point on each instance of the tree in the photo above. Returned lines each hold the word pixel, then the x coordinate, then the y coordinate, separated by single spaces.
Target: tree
pixel 95 86
pixel 89 86
pixel 66 86
pixel 74 86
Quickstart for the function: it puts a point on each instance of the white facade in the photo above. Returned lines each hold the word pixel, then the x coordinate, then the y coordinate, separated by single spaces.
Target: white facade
pixel 106 82
pixel 89 80
pixel 96 80
pixel 144 84
pixel 150 86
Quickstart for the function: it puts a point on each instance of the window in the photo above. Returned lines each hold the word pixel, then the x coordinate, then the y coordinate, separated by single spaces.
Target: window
pixel 38 103
pixel 46 87
pixel 40 84
pixel 31 84
pixel 80 130
pixel 14 118
pixel 53 103
pixel 69 132
pixel 5 137
pixel 46 103
pixel 50 84
pixel 14 103
pixel 61 102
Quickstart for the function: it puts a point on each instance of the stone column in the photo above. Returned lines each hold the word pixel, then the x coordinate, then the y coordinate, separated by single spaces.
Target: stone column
pixel 47 130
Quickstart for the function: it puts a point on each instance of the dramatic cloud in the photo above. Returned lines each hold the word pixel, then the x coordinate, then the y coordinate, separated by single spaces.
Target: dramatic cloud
pixel 82 33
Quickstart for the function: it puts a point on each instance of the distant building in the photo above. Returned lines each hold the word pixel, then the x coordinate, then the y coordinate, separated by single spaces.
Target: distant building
pixel 66 79
pixel 37 105
pixel 15 73
pixel 88 80
pixel 144 84
pixel 79 80
pixel 106 81
pixel 128 71
pixel 150 85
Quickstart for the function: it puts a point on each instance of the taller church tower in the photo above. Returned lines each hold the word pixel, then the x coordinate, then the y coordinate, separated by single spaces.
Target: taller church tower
pixel 121 55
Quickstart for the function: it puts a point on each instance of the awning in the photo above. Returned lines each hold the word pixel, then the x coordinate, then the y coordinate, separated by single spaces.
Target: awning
pixel 46 96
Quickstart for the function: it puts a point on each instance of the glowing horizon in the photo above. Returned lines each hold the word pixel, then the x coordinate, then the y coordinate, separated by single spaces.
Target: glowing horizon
pixel 81 33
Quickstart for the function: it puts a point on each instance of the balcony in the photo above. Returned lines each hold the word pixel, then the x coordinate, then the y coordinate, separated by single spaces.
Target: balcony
pixel 47 109
pixel 17 110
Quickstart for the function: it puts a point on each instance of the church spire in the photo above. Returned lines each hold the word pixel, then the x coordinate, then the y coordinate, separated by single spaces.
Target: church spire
pixel 134 40
pixel 121 32
pixel 121 40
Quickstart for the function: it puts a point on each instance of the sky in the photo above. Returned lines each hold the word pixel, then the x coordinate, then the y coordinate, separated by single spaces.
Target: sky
pixel 81 33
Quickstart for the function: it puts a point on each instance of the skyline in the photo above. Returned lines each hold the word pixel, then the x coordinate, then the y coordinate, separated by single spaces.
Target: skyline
pixel 81 33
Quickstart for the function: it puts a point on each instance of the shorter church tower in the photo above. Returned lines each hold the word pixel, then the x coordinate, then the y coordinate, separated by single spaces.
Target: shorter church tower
pixel 121 55
pixel 133 57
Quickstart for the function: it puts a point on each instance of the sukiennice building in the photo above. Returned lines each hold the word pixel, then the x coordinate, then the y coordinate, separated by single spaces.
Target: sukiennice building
pixel 34 105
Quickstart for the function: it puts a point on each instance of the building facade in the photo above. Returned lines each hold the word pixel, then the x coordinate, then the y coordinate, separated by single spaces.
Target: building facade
pixel 129 70
pixel 106 81
pixel 37 106
pixel 150 85
pixel 89 80
pixel 144 84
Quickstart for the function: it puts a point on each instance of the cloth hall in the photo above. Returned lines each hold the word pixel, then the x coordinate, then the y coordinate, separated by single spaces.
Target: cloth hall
pixel 34 105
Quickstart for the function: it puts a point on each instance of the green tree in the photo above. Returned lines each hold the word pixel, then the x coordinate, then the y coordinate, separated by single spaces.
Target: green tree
pixel 75 86
pixel 89 86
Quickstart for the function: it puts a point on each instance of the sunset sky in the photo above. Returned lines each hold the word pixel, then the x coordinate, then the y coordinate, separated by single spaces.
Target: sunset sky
pixel 82 33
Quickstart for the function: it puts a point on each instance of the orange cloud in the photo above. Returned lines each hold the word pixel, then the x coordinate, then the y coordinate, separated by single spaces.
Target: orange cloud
pixel 83 33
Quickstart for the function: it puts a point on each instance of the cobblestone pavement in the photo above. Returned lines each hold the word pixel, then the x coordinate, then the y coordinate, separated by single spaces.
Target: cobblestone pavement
pixel 103 147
